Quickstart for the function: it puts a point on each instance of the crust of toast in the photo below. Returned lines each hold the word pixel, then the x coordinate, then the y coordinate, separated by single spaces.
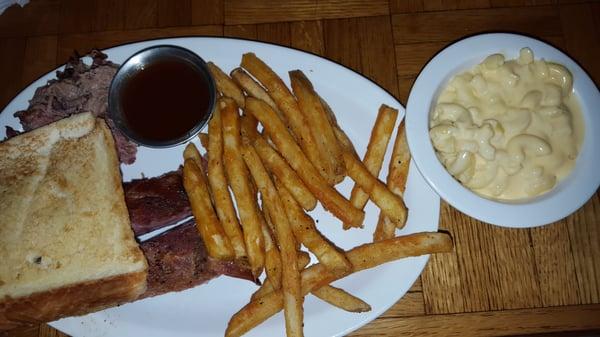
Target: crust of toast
pixel 73 300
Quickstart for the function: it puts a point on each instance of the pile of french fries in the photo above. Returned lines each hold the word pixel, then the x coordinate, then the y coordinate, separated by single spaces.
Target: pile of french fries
pixel 274 153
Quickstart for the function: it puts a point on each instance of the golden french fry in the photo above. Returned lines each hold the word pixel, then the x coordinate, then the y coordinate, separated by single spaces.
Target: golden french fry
pixel 344 140
pixel 389 203
pixel 268 220
pixel 226 85
pixel 288 177
pixel 399 164
pixel 216 242
pixel 378 143
pixel 241 185
pixel 203 140
pixel 341 136
pixel 287 106
pixel 396 182
pixel 191 152
pixel 305 231
pixel 385 228
pixel 218 185
pixel 332 295
pixel 290 277
pixel 303 260
pixel 273 266
pixel 289 149
pixel 362 257
pixel 318 123
pixel 248 124
pixel 341 299
pixel 265 288
pixel 276 164
pixel 251 87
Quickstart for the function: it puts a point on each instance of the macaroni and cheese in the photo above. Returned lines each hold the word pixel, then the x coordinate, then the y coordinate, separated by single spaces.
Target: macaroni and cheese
pixel 508 129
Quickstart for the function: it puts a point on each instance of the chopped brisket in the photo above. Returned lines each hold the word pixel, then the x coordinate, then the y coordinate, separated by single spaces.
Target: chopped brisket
pixel 79 88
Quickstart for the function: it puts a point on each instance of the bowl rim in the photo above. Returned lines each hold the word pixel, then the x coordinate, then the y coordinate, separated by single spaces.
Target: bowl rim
pixel 565 198
pixel 114 111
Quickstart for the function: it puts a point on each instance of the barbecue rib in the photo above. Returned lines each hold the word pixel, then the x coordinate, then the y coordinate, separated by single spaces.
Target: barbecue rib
pixel 156 202
pixel 177 260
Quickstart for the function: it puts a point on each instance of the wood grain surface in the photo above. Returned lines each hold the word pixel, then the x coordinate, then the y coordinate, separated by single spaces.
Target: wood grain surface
pixel 497 281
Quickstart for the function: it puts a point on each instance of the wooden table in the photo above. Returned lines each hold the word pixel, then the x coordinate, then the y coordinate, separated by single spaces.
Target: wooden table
pixel 497 281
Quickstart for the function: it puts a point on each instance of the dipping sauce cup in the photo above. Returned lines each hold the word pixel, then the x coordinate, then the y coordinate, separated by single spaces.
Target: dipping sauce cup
pixel 162 96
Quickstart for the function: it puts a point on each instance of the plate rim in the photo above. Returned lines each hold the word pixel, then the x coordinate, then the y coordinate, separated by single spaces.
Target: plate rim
pixel 360 322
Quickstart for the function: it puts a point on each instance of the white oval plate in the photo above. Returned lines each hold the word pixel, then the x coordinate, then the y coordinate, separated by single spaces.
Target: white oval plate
pixel 566 197
pixel 206 309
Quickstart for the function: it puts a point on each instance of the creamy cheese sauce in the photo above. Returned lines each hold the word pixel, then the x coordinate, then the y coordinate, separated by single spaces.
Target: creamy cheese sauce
pixel 508 130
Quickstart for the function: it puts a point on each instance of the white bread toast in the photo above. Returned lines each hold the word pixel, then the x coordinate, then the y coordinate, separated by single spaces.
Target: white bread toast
pixel 66 245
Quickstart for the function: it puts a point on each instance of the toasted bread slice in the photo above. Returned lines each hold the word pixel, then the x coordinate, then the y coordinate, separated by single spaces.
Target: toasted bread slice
pixel 66 245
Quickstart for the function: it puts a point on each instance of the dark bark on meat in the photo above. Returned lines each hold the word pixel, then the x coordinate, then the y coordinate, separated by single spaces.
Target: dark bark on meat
pixel 177 260
pixel 126 149
pixel 79 88
pixel 157 202
pixel 10 132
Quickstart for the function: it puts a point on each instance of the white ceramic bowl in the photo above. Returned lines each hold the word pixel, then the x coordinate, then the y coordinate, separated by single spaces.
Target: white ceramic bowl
pixel 566 197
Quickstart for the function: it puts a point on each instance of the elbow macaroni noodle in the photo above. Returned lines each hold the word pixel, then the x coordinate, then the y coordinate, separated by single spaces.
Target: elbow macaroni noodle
pixel 508 129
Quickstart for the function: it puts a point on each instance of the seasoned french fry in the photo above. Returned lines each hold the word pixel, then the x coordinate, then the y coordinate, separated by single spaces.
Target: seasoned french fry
pixel 289 149
pixel 332 295
pixel 318 123
pixel 268 220
pixel 290 277
pixel 191 152
pixel 362 257
pixel 396 182
pixel 389 203
pixel 385 228
pixel 216 242
pixel 265 288
pixel 276 164
pixel 303 260
pixel 378 143
pixel 218 185
pixel 241 185
pixel 341 299
pixel 288 177
pixel 248 125
pixel 226 85
pixel 399 164
pixel 341 136
pixel 344 140
pixel 305 231
pixel 273 266
pixel 287 105
pixel 251 87
pixel 203 139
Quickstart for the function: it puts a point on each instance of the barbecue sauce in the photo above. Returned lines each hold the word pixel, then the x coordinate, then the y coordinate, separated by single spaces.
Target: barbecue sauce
pixel 165 100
